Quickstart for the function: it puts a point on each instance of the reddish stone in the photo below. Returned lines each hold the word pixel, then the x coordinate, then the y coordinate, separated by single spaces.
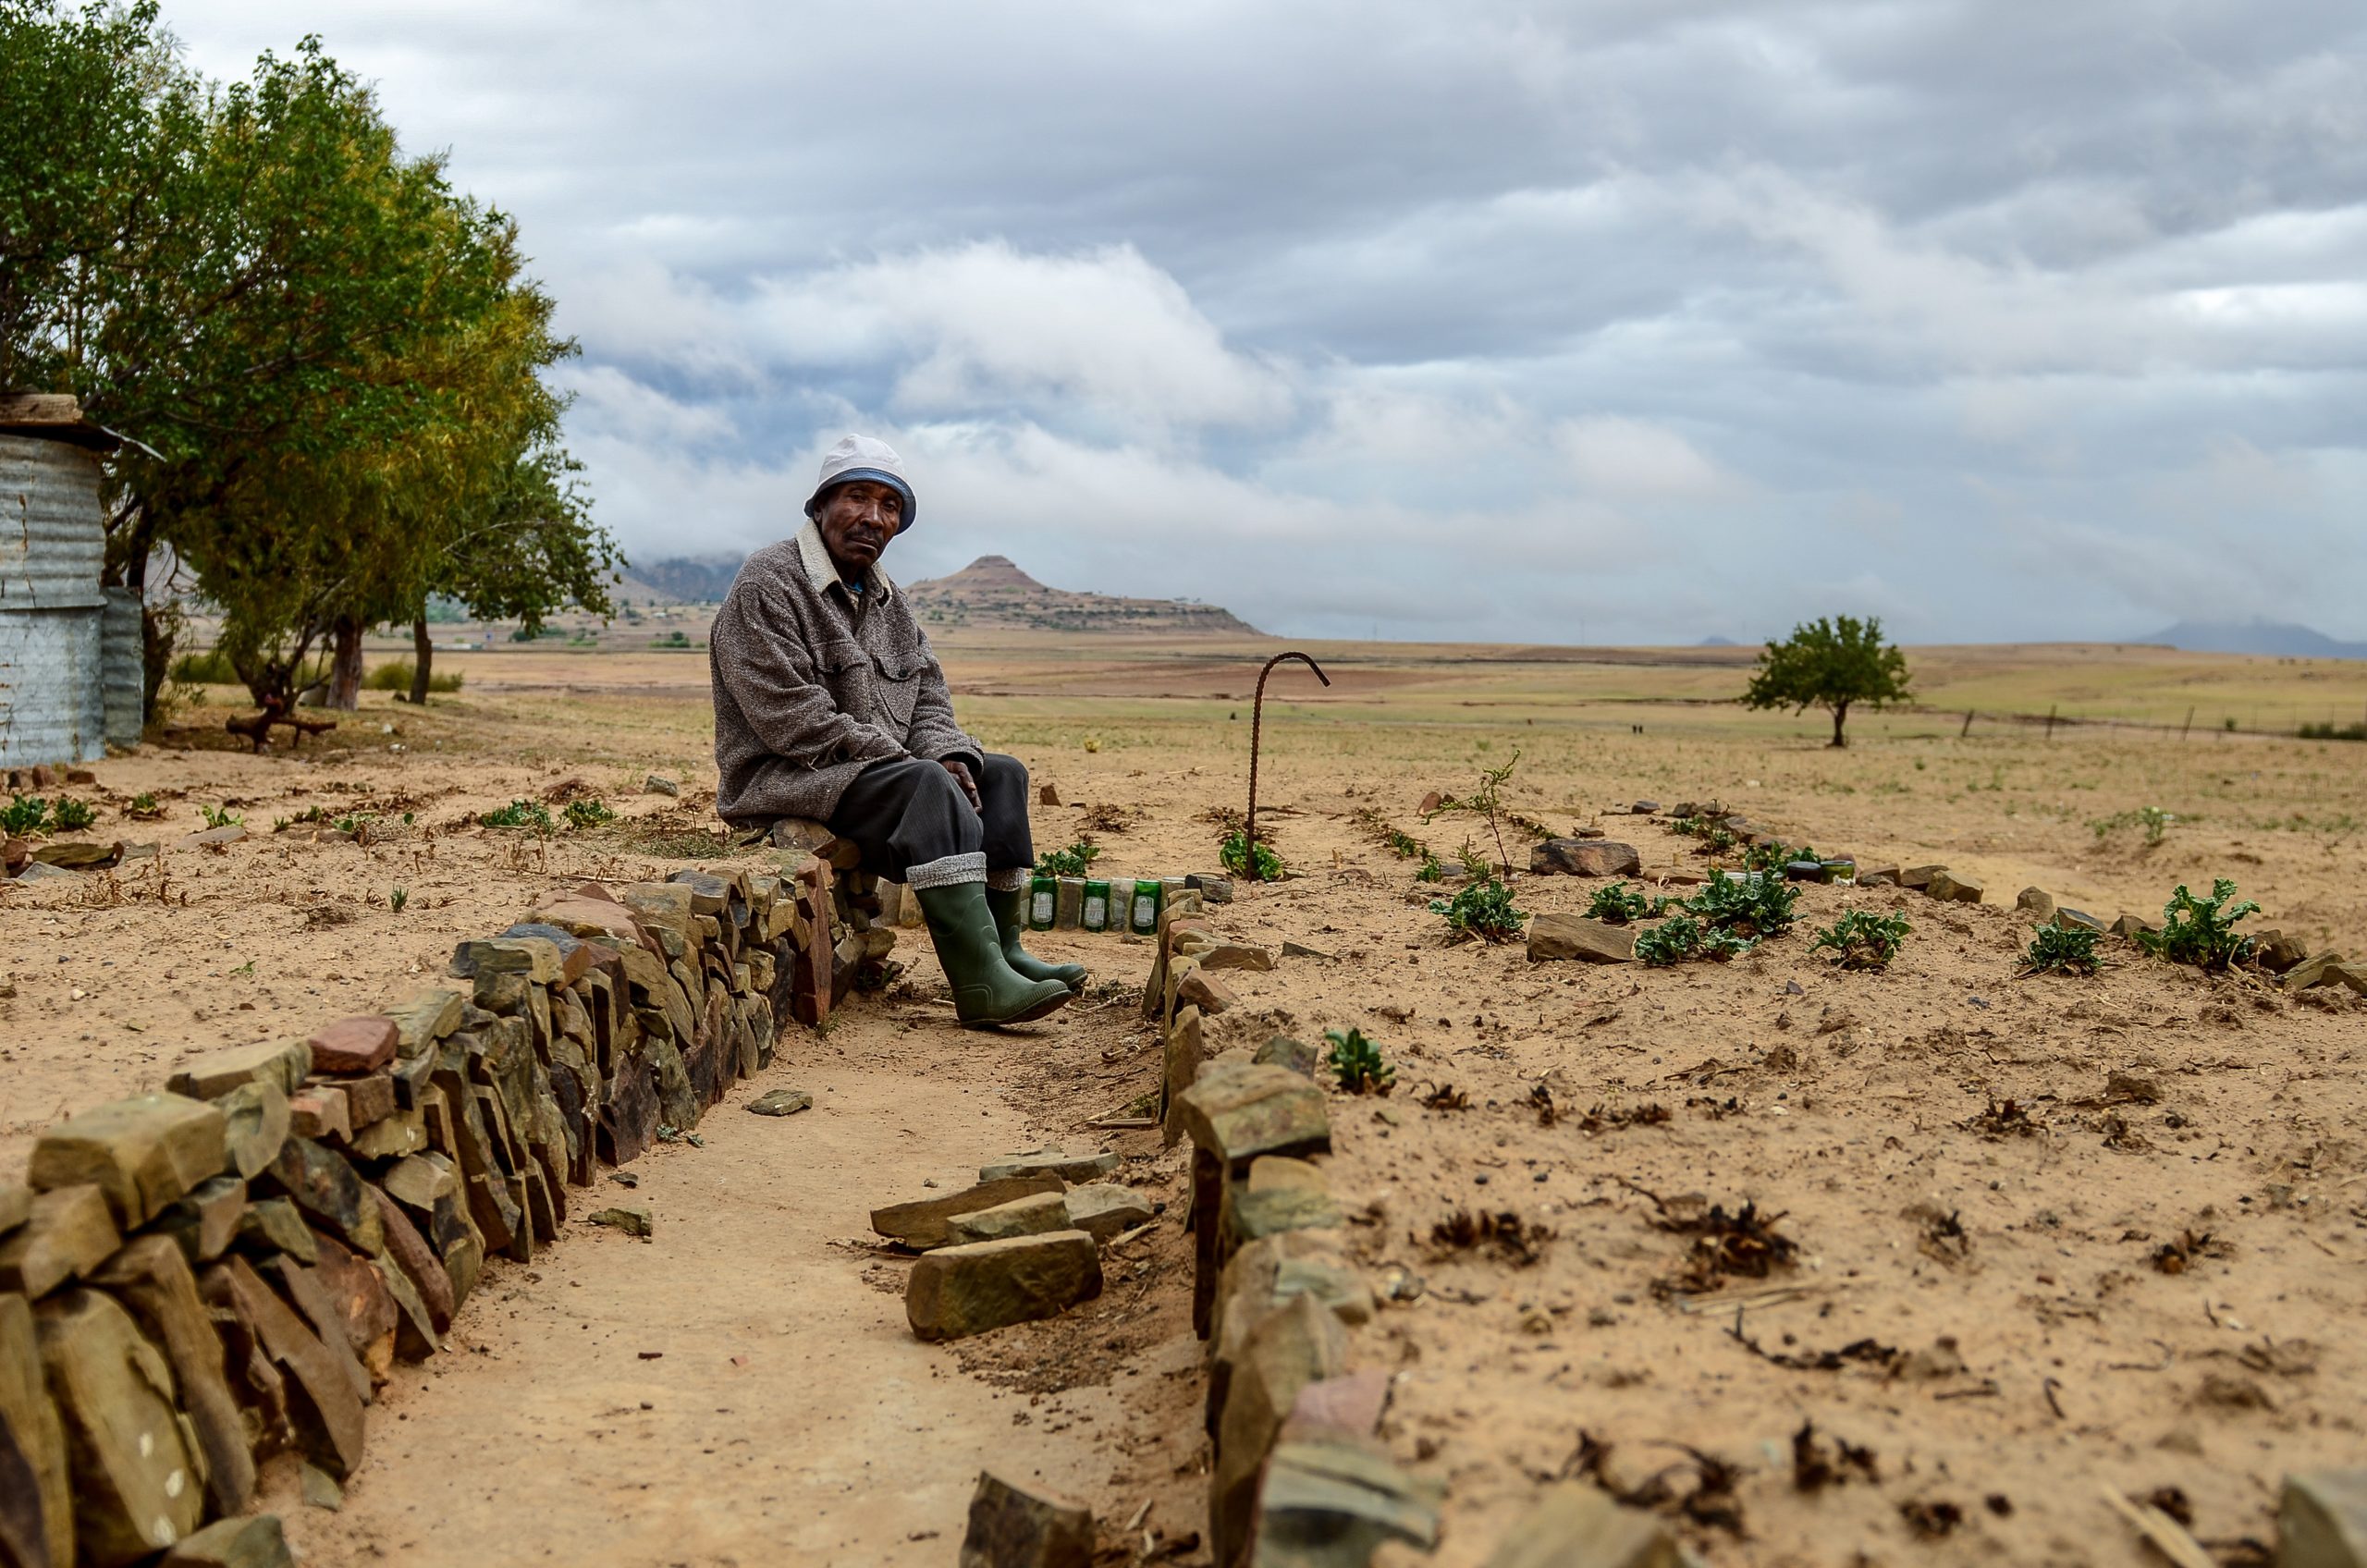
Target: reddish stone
pixel 354 1045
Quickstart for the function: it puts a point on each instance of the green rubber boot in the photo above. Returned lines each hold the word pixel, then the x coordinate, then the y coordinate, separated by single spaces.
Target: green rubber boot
pixel 1009 905
pixel 986 994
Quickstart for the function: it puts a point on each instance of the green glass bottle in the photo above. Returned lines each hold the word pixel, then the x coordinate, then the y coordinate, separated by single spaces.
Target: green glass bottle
pixel 1144 920
pixel 1043 900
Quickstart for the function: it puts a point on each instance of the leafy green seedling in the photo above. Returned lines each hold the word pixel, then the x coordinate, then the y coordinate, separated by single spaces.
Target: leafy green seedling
pixel 2062 950
pixel 2201 931
pixel 219 816
pixel 1257 863
pixel 1615 905
pixel 24 817
pixel 1862 939
pixel 397 900
pixel 1357 1063
pixel 1070 862
pixel 70 815
pixel 518 813
pixel 1481 908
pixel 1749 906
pixel 1681 936
pixel 588 812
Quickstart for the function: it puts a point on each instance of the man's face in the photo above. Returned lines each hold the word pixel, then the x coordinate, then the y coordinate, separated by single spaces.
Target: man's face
pixel 858 520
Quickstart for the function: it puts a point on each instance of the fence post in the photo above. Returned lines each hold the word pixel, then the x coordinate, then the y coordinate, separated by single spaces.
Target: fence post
pixel 2188 725
pixel 1967 725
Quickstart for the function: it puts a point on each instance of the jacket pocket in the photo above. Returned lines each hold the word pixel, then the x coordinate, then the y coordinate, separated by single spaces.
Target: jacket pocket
pixel 844 670
pixel 897 686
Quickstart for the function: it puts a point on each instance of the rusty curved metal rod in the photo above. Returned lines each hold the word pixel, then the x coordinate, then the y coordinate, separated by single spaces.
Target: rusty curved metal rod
pixel 1257 731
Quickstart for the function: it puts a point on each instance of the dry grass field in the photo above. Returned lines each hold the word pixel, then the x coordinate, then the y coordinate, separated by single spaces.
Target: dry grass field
pixel 2005 1338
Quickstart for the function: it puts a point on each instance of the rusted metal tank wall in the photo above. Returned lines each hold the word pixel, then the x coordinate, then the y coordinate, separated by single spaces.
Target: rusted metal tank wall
pixel 123 675
pixel 53 536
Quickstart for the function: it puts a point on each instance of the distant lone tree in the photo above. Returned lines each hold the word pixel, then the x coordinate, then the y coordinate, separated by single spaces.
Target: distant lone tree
pixel 1830 664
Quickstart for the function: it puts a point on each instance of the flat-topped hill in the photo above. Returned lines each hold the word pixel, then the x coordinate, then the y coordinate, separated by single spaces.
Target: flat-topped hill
pixel 992 590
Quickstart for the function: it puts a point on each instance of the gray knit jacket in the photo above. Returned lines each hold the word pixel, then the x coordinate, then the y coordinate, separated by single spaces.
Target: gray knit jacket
pixel 808 694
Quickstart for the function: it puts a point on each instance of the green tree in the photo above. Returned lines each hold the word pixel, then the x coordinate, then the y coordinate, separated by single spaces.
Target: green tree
pixel 336 361
pixel 1830 664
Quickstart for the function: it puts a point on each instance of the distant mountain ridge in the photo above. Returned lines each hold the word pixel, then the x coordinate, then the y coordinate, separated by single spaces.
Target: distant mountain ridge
pixel 690 579
pixel 993 591
pixel 2275 638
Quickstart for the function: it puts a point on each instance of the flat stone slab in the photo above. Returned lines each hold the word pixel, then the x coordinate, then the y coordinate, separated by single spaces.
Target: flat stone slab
pixel 1051 1162
pixel 1017 1526
pixel 254 1542
pixel 1236 1113
pixel 37 1507
pixel 1954 887
pixel 923 1224
pixel 781 1102
pixel 1552 936
pixel 136 1487
pixel 2321 1520
pixel 255 1122
pixel 1031 1216
pixel 423 1018
pixel 285 1062
pixel 354 1045
pixel 959 1290
pixel 323 1183
pixel 1103 1209
pixel 143 1153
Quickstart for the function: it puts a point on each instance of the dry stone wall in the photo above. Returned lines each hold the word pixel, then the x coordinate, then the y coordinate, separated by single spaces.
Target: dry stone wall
pixel 195 1279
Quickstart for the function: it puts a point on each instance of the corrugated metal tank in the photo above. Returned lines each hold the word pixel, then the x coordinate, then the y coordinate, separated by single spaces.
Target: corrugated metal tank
pixel 122 667
pixel 53 539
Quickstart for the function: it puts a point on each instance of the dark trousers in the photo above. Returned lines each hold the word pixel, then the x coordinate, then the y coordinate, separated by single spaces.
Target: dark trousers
pixel 910 813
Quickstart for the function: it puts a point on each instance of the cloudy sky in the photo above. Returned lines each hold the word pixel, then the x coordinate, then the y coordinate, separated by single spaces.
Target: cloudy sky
pixel 1620 321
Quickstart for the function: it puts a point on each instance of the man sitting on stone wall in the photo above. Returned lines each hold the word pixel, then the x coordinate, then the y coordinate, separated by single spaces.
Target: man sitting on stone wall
pixel 829 705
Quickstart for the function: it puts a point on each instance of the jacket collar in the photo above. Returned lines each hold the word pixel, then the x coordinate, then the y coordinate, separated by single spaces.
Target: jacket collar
pixel 821 571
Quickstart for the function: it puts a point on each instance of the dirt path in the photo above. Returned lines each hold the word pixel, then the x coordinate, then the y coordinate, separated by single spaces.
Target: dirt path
pixel 789 1414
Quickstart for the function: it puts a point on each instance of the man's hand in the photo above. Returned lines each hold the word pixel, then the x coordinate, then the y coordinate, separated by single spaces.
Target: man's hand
pixel 960 771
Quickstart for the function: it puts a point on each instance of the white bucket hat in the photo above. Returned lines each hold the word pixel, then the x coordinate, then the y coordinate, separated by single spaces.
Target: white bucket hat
pixel 863 456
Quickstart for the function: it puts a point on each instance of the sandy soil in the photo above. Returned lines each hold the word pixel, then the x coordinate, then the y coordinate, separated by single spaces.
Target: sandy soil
pixel 1840 1105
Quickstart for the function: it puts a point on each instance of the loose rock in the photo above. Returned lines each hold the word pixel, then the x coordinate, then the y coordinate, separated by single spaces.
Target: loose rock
pixel 781 1102
pixel 255 1542
pixel 2321 1520
pixel 1103 1209
pixel 1051 1162
pixel 960 1291
pixel 1014 1527
pixel 633 1221
pixel 1954 887
pixel 1554 935
pixel 1031 1216
pixel 1585 857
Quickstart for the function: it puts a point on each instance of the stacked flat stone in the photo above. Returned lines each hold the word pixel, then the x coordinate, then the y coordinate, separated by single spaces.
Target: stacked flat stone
pixel 194 1280
pixel 1023 1243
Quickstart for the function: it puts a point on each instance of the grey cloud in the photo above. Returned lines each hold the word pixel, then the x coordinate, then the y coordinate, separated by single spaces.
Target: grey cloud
pixel 1642 319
